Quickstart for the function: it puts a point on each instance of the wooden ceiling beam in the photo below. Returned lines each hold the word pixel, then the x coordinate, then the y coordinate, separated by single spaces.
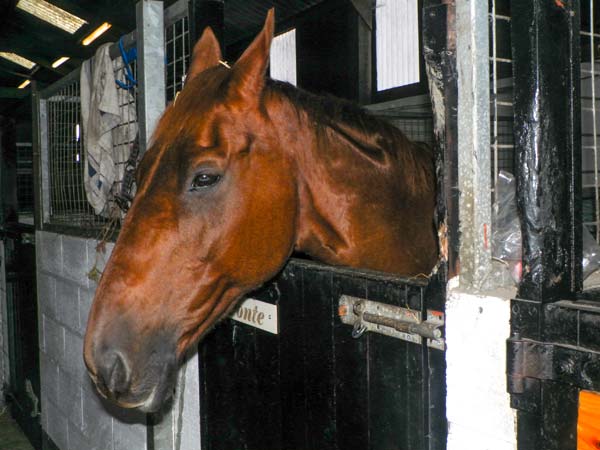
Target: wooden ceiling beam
pixel 12 92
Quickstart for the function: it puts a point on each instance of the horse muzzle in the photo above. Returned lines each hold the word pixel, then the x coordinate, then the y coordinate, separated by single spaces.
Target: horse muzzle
pixel 147 389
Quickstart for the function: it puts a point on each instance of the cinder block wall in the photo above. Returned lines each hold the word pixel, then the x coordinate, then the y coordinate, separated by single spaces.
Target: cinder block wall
pixel 72 414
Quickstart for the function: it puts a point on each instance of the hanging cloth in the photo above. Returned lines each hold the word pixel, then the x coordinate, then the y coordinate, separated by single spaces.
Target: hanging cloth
pixel 100 115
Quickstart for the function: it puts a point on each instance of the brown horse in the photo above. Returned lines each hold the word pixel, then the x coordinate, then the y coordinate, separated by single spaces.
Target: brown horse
pixel 242 171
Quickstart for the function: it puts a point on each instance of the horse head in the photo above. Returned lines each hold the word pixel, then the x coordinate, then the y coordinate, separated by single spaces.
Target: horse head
pixel 211 188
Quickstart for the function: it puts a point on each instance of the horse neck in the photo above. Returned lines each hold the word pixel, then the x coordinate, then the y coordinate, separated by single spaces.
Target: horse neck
pixel 349 211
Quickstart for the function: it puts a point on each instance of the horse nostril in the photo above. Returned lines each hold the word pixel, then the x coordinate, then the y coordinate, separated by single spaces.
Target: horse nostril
pixel 114 374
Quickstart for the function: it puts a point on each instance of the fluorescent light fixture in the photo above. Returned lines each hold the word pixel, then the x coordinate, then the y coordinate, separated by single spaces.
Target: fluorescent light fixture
pixel 96 33
pixel 24 84
pixel 60 61
pixel 13 57
pixel 52 14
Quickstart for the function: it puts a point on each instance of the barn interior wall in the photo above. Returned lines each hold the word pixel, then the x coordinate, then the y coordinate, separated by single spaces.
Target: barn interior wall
pixel 73 416
pixel 478 405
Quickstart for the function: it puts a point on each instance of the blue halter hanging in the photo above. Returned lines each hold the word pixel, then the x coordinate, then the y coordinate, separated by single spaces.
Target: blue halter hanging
pixel 128 57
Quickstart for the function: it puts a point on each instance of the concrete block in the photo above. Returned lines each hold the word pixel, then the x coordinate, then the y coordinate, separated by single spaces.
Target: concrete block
pixel 46 293
pixel 54 339
pixel 98 256
pixel 48 378
pixel 75 260
pixel 97 422
pixel 49 252
pixel 44 411
pixel 129 431
pixel 77 441
pixel 57 425
pixel 86 296
pixel 73 359
pixel 70 403
pixel 67 303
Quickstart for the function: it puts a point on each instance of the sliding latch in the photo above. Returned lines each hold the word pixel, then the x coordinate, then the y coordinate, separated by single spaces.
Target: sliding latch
pixel 402 323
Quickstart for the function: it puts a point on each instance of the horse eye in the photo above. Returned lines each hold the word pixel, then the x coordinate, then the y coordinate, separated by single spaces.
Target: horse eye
pixel 203 180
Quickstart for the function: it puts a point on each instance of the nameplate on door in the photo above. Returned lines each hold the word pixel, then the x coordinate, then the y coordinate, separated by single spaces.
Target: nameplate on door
pixel 257 314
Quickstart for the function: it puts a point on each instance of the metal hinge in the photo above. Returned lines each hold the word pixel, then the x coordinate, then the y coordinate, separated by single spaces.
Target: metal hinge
pixel 402 323
pixel 528 359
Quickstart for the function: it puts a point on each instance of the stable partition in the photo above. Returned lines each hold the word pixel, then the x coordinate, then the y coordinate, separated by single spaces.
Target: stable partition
pixel 72 248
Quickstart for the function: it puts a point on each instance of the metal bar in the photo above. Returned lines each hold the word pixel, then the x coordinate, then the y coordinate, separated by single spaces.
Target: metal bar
pixel 175 12
pixel 593 109
pixel 150 69
pixel 36 141
pixel 474 142
pixel 494 60
pixel 545 46
pixel 53 89
pixel 129 41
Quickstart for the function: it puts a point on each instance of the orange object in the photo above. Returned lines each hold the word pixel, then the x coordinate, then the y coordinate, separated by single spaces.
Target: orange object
pixel 588 421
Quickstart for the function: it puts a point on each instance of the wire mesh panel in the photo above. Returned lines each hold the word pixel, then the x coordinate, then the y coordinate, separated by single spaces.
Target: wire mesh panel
pixel 501 105
pixel 177 46
pixel 590 115
pixel 125 140
pixel 66 153
pixel 25 179
pixel 417 129
pixel 68 202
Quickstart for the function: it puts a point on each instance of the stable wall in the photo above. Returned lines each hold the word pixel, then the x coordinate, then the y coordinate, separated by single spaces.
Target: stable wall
pixel 73 415
pixel 478 404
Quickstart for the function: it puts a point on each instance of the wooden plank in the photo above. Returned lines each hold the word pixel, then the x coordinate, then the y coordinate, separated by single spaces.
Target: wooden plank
pixel 320 360
pixel 351 376
pixel 390 414
pixel 262 394
pixel 10 92
pixel 294 325
pixel 588 422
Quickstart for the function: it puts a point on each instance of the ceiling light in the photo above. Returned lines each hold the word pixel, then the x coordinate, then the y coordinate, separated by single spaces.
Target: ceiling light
pixel 96 33
pixel 52 14
pixel 59 61
pixel 24 84
pixel 18 59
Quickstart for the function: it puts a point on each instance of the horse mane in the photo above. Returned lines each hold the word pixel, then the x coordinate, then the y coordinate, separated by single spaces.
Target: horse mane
pixel 376 138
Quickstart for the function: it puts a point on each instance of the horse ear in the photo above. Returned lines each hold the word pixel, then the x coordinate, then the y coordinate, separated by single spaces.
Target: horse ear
pixel 206 54
pixel 248 77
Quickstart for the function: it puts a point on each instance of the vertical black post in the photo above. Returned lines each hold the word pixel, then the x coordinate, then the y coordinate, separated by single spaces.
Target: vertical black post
pixel 364 35
pixel 545 45
pixel 207 13
pixel 439 54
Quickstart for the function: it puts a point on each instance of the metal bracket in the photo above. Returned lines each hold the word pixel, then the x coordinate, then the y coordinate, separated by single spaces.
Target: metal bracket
pixel 528 359
pixel 401 323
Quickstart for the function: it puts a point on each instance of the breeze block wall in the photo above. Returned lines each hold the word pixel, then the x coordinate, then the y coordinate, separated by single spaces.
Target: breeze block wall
pixel 73 415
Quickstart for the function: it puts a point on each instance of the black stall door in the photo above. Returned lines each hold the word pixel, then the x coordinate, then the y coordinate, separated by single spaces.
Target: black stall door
pixel 313 386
